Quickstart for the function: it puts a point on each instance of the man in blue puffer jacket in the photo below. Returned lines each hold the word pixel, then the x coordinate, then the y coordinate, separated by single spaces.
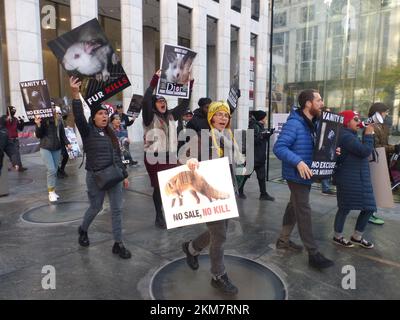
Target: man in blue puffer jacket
pixel 294 148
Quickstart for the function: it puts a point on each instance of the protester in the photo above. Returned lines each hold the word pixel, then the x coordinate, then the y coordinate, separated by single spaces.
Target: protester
pixel 102 150
pixel 353 181
pixel 182 126
pixel 64 152
pixel 52 137
pixel 294 148
pixel 218 117
pixel 381 139
pixel 13 125
pixel 199 119
pixel 160 140
pixel 261 136
pixel 122 135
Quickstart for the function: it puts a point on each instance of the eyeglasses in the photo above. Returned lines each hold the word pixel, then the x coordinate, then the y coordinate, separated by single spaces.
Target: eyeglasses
pixel 222 115
pixel 356 119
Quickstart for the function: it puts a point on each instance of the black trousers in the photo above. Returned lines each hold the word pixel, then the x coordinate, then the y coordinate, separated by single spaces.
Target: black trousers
pixel 261 175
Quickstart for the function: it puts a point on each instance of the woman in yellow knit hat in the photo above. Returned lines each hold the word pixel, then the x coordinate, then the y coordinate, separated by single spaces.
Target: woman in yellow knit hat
pixel 222 144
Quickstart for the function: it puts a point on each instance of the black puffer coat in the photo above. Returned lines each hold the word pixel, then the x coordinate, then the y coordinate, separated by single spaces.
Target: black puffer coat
pixel 51 137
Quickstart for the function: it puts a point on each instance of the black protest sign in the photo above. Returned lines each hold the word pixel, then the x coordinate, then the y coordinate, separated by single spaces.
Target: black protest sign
pixel 234 95
pixel 324 157
pixel 28 143
pixel 36 98
pixel 176 66
pixel 86 53
pixel 135 106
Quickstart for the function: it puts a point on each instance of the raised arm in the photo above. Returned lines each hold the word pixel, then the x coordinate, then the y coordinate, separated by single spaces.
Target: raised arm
pixel 147 108
pixel 77 108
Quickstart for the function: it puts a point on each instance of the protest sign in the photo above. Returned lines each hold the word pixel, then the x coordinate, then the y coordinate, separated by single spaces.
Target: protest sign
pixel 234 95
pixel 278 120
pixel 324 157
pixel 86 53
pixel 28 143
pixel 36 98
pixel 75 152
pixel 204 195
pixel 176 65
pixel 135 106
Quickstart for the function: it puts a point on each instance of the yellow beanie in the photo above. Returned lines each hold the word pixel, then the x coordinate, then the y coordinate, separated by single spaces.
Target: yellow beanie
pixel 214 108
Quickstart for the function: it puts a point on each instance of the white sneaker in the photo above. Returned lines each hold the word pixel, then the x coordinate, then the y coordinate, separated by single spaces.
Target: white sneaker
pixel 56 195
pixel 52 196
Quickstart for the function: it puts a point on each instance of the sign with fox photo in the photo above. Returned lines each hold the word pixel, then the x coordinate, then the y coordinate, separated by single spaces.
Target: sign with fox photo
pixel 203 195
pixel 86 53
pixel 176 65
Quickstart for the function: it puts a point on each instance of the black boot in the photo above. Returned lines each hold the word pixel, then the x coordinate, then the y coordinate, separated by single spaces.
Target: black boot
pixel 83 237
pixel 266 196
pixel 119 248
pixel 318 261
pixel 191 260
pixel 224 285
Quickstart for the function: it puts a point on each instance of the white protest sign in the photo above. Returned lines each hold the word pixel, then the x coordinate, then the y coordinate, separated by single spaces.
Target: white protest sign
pixel 203 195
pixel 278 120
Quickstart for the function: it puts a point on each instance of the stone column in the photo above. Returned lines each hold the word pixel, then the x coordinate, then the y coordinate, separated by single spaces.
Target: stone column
pixel 24 46
pixel 199 44
pixel 132 56
pixel 82 11
pixel 223 50
pixel 168 31
pixel 262 58
pixel 244 65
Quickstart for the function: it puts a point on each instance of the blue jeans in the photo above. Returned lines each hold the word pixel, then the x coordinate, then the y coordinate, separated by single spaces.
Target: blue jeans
pixel 326 184
pixel 51 160
pixel 96 199
pixel 362 220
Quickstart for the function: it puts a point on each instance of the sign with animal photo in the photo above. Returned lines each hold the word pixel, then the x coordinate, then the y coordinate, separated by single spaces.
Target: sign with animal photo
pixel 176 66
pixel 135 106
pixel 36 98
pixel 324 157
pixel 203 195
pixel 86 53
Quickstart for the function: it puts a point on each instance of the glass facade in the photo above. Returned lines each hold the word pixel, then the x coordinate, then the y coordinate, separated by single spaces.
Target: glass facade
pixel 349 50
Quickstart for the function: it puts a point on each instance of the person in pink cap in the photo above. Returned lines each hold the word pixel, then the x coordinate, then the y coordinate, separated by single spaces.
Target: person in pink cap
pixel 353 181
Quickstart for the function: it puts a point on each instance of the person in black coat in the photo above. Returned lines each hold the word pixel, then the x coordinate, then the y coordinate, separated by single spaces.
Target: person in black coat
pixel 102 150
pixel 261 136
pixel 199 120
pixel 52 137
pixel 353 181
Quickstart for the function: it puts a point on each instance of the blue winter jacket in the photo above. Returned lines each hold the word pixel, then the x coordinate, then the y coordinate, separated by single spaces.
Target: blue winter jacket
pixel 295 144
pixel 353 180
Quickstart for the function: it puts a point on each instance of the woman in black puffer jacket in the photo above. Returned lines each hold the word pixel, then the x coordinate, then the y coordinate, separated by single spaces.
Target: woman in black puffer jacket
pixel 52 137
pixel 102 150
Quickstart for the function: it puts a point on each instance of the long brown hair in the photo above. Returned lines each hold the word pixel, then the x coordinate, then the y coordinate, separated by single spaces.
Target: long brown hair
pixel 114 140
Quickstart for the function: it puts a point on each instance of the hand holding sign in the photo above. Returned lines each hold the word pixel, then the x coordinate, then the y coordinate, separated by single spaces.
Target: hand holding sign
pixel 304 170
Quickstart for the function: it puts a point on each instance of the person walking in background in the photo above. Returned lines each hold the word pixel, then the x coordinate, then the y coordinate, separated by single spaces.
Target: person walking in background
pixel 261 136
pixel 199 119
pixel 13 125
pixel 381 139
pixel 52 137
pixel 64 152
pixel 353 180
pixel 294 148
pixel 102 150
pixel 160 139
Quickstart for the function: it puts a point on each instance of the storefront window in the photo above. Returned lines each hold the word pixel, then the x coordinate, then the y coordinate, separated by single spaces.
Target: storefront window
pixel 349 50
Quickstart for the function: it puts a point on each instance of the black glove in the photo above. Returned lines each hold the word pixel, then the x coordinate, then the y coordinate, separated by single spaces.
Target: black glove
pixel 266 134
pixel 397 148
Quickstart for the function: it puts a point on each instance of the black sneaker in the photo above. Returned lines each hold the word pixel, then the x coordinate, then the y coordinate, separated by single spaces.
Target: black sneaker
pixel 362 243
pixel 191 260
pixel 61 174
pixel 119 248
pixel 133 163
pixel 318 261
pixel 224 285
pixel 22 169
pixel 266 196
pixel 83 237
pixel 329 193
pixel 288 246
pixel 242 196
pixel 343 242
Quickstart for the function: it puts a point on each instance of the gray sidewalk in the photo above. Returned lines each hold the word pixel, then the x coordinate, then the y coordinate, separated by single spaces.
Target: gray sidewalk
pixel 95 273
